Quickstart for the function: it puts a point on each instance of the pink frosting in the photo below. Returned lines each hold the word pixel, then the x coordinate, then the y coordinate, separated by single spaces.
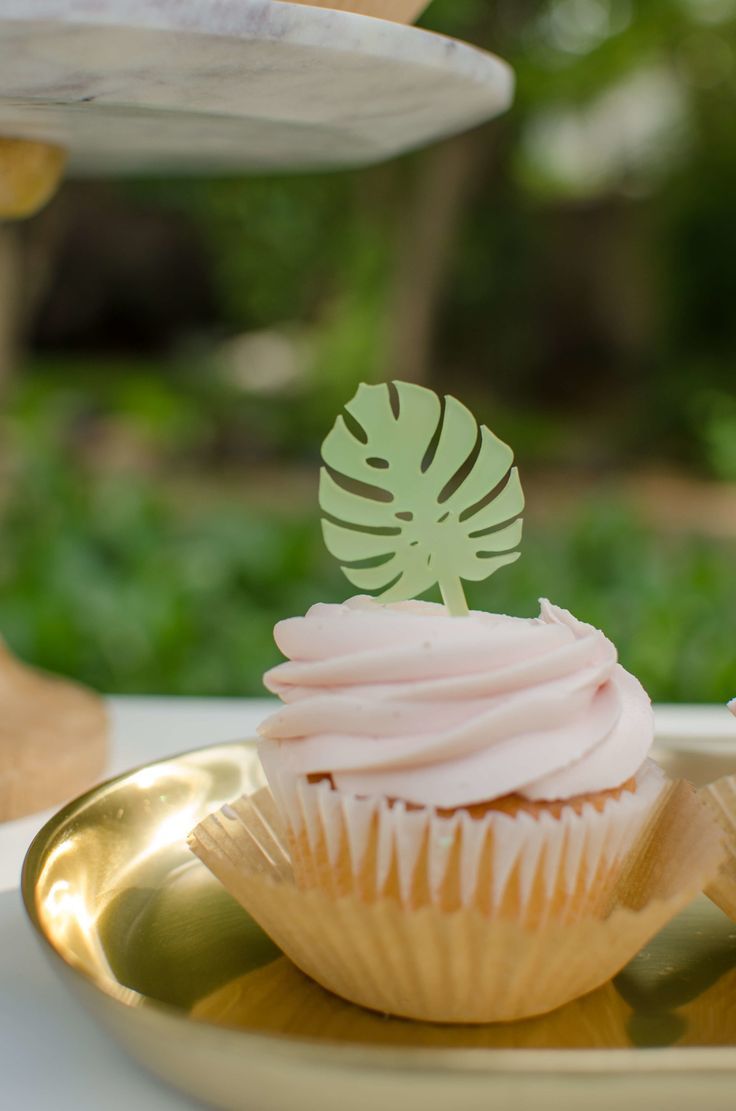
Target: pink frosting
pixel 403 701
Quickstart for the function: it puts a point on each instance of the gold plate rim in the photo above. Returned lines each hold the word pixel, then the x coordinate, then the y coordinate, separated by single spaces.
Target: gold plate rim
pixel 413 1059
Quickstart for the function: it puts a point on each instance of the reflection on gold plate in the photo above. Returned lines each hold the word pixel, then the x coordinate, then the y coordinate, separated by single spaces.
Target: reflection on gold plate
pixel 142 932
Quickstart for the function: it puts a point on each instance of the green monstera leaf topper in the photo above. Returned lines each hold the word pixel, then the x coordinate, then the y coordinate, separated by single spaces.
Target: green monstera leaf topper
pixel 416 493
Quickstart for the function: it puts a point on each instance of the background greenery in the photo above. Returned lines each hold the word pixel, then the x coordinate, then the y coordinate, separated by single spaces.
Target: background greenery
pixel 568 270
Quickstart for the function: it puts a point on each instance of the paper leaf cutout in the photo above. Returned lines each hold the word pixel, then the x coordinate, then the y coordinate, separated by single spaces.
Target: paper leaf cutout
pixel 415 493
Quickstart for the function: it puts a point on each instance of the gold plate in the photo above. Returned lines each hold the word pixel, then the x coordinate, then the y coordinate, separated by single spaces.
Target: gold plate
pixel 141 931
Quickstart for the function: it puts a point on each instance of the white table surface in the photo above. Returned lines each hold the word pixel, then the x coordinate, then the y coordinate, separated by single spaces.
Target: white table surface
pixel 51 1052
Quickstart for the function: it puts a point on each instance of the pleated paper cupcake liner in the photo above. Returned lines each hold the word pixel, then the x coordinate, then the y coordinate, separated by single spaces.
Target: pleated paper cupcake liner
pixel 720 798
pixel 461 966
pixel 525 867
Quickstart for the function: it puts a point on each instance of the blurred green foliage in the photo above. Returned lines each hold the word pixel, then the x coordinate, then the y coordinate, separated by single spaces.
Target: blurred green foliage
pixel 139 583
pixel 108 578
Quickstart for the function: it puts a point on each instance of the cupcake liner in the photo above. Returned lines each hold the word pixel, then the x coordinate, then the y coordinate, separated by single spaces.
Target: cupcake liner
pixel 720 798
pixel 526 867
pixel 461 966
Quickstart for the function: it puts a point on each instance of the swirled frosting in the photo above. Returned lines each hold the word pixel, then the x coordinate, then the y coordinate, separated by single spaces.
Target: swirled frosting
pixel 405 702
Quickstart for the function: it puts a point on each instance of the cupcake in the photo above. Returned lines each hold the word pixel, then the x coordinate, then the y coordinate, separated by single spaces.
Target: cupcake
pixel 462 823
pixel 489 762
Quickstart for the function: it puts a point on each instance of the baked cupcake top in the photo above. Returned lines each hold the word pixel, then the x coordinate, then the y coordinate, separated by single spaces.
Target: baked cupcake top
pixel 403 701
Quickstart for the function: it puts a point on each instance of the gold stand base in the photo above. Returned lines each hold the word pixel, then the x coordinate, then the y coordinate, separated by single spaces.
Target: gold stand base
pixel 30 174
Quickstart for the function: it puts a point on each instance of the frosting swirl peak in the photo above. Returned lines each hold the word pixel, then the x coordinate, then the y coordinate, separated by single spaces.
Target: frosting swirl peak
pixel 404 702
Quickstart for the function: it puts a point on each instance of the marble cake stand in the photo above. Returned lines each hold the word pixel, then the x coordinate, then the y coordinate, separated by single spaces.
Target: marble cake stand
pixel 211 86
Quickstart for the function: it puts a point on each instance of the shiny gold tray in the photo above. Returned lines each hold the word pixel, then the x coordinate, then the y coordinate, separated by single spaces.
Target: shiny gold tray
pixel 147 939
